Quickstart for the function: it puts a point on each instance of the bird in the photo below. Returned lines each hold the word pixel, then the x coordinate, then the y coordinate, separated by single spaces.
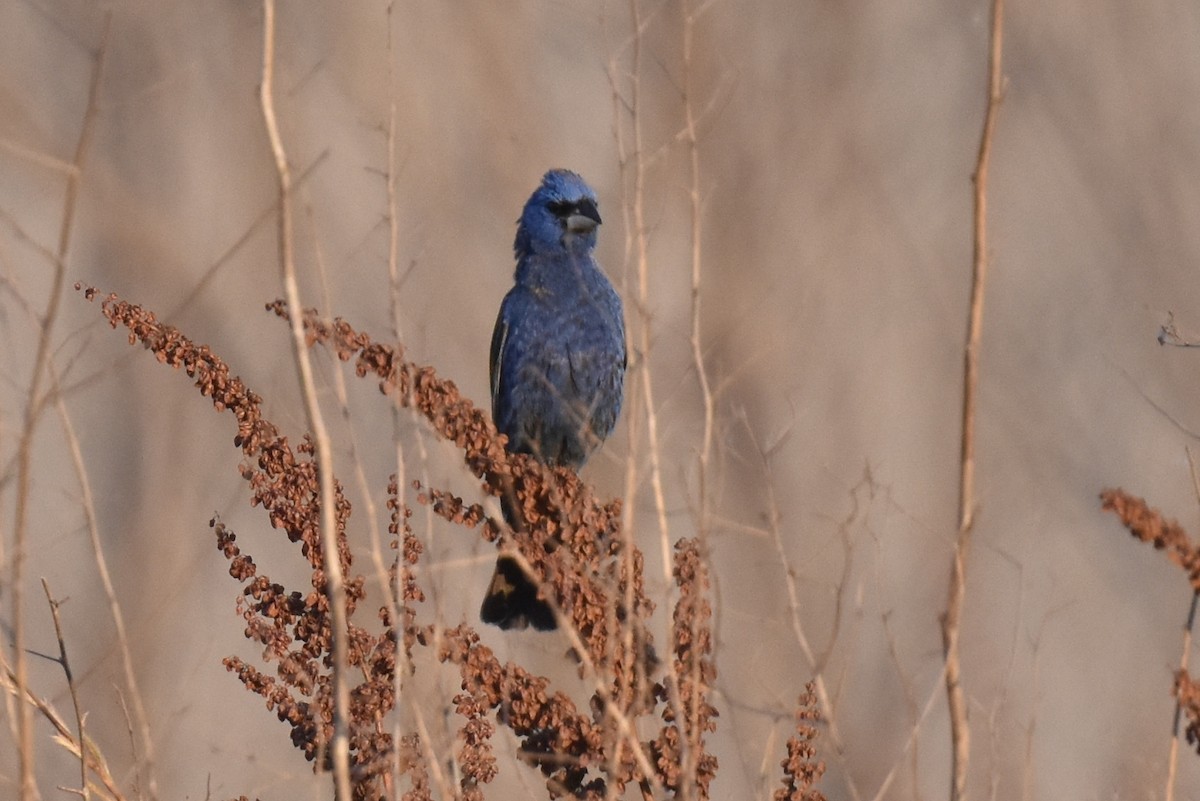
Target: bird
pixel 557 365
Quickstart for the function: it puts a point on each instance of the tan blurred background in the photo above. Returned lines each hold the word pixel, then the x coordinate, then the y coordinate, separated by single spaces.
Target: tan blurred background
pixel 836 147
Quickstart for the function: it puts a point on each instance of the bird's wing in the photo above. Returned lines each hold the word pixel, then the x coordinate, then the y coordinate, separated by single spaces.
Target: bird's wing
pixel 496 360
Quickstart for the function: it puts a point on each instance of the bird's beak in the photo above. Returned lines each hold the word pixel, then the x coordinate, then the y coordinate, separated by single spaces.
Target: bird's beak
pixel 584 218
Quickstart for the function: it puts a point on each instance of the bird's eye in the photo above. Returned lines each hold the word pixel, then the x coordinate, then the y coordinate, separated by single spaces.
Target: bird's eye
pixel 561 208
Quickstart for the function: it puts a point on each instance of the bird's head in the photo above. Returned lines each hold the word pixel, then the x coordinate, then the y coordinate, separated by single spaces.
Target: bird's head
pixel 560 215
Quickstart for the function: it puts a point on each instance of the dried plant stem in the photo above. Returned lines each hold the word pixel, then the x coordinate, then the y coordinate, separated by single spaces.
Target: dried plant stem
pixel 625 726
pixel 444 782
pixel 695 204
pixel 360 476
pixel 636 224
pixel 247 234
pixel 636 251
pixel 37 157
pixel 633 418
pixel 392 205
pixel 16 589
pixel 1168 334
pixel 910 701
pixel 65 664
pixel 641 243
pixel 960 732
pixel 145 764
pixel 334 580
pixel 824 702
pixel 25 746
pixel 1173 754
pixel 65 737
pixel 693 746
pixel 394 284
pixel 96 375
pixel 911 743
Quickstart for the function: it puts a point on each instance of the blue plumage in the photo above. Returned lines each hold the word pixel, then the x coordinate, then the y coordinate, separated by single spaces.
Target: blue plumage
pixel 557 359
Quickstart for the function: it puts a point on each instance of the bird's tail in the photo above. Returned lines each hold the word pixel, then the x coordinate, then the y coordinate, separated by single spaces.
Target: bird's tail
pixel 512 600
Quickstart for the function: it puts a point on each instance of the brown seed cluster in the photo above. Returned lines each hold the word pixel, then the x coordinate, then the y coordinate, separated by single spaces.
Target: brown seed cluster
pixel 1148 525
pixel 801 769
pixel 294 627
pixel 570 540
pixel 1187 694
pixel 588 578
pixel 679 752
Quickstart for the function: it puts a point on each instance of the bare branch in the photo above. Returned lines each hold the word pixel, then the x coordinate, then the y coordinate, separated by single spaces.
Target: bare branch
pixel 960 733
pixel 335 582
pixel 32 408
pixel 65 664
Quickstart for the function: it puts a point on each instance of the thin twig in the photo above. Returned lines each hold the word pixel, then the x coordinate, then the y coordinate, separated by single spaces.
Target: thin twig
pixel 695 208
pixel 39 158
pixel 1168 334
pixel 146 763
pixel 65 664
pixel 394 281
pixel 1027 777
pixel 227 255
pixel 443 781
pixel 100 373
pixel 25 744
pixel 691 755
pixel 824 702
pixel 65 738
pixel 342 396
pixel 911 742
pixel 633 417
pixel 399 409
pixel 910 701
pixel 635 207
pixel 335 583
pixel 636 251
pixel 960 733
pixel 641 238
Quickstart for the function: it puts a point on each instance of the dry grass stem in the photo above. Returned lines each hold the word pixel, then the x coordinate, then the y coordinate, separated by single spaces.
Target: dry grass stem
pixel 107 788
pixel 33 405
pixel 65 664
pixel 145 742
pixel 636 202
pixel 960 732
pixel 335 585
